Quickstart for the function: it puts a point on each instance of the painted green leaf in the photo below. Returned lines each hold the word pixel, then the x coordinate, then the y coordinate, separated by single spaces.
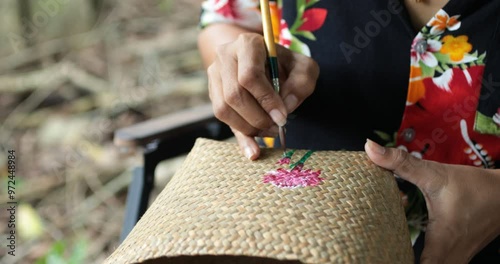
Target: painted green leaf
pixel 306 34
pixel 303 159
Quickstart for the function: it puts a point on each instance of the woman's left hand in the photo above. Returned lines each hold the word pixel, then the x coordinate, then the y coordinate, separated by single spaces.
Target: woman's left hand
pixel 463 203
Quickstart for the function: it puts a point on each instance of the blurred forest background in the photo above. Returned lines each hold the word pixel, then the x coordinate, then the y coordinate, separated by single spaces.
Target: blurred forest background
pixel 71 73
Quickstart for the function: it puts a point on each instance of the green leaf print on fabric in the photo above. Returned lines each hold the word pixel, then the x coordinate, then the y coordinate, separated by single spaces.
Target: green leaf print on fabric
pixel 426 70
pixel 308 20
pixel 299 46
pixel 442 58
pixel 306 34
pixel 388 140
pixel 486 125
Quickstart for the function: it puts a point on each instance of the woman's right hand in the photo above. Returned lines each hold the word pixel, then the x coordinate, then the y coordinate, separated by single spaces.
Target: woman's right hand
pixel 242 94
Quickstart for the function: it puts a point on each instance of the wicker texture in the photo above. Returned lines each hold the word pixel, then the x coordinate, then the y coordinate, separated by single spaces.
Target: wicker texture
pixel 216 204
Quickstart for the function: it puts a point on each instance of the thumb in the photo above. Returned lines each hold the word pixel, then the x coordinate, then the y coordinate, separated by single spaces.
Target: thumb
pixel 429 176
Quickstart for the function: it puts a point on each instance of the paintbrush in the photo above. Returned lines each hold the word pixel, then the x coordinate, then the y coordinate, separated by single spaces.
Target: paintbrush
pixel 272 56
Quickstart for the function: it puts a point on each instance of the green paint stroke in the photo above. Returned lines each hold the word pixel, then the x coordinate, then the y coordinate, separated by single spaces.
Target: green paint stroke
pixel 303 159
pixel 288 154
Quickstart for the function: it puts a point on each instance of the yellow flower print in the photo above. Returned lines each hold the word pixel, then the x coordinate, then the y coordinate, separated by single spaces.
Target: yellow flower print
pixel 456 47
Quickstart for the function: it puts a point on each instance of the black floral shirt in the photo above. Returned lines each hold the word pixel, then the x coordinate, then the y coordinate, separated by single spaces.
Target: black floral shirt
pixel 433 92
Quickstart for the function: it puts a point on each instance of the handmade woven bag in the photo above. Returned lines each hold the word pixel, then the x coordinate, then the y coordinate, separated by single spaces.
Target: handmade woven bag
pixel 306 207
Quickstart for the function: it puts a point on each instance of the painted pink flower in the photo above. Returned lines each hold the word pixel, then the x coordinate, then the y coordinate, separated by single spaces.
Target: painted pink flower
pixel 284 160
pixel 296 177
pixel 423 50
pixel 313 19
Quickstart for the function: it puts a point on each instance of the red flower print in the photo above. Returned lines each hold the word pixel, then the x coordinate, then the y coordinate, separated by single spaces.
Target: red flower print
pixel 463 84
pixel 313 19
pixel 226 8
pixel 444 119
pixel 296 177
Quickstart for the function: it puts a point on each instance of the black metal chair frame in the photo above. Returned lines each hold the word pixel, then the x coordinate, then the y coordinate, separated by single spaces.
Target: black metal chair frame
pixel 160 139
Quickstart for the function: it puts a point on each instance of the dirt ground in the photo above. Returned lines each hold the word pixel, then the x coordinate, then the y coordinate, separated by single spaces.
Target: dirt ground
pixel 61 99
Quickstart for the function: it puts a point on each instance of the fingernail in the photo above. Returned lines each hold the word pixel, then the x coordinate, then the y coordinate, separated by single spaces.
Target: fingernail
pixel 290 102
pixel 249 152
pixel 376 147
pixel 278 117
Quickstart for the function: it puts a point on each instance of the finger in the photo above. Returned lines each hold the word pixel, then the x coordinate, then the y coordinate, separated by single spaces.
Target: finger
pixel 301 80
pixel 235 96
pixel 247 144
pixel 426 175
pixel 271 132
pixel 223 111
pixel 252 77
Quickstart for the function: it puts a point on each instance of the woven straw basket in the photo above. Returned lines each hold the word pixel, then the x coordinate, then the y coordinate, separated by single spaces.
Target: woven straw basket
pixel 218 209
